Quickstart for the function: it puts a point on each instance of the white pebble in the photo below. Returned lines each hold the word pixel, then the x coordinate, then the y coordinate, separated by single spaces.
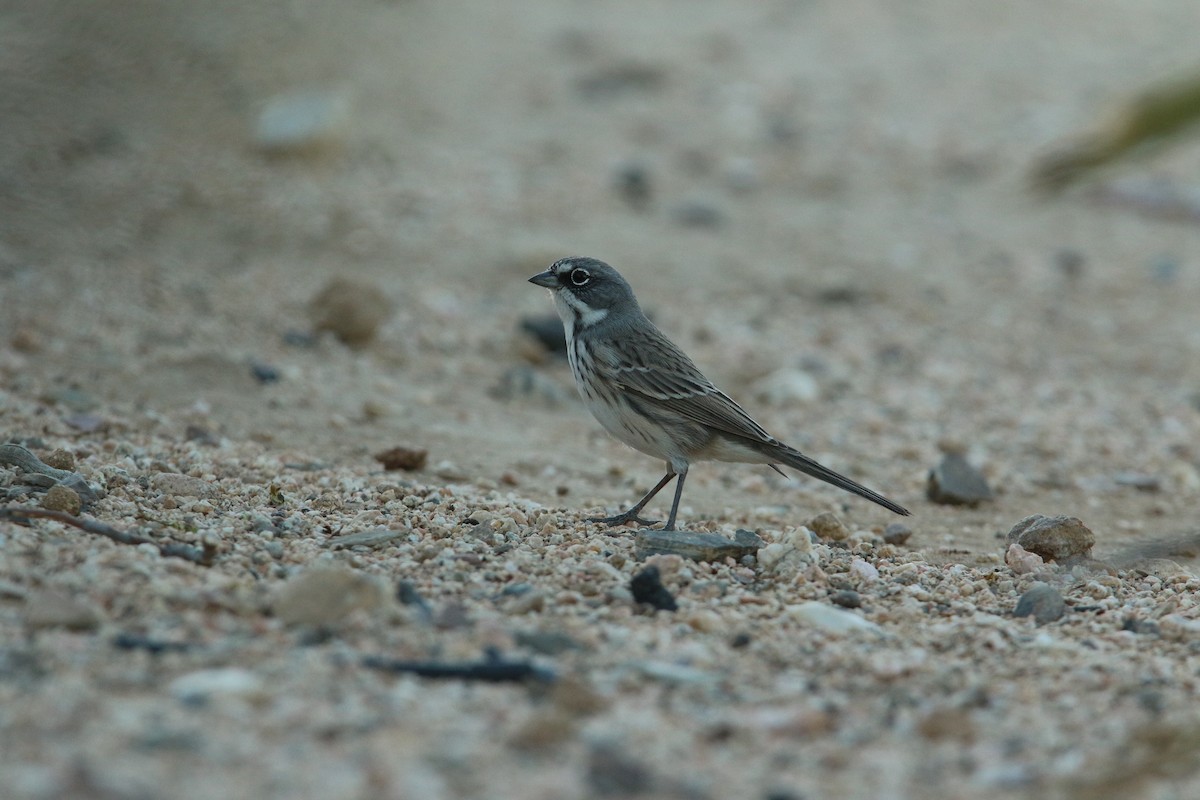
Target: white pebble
pixel 830 619
pixel 200 685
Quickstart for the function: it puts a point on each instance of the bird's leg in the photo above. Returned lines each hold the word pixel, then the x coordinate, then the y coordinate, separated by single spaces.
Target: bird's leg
pixel 632 514
pixel 675 505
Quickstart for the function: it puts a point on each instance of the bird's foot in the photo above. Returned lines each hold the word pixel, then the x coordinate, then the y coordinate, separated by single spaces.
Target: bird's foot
pixel 624 519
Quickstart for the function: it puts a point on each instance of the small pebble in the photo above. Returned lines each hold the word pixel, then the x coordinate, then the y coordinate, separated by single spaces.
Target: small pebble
pixel 302 121
pixel 62 498
pixel 322 596
pixel 449 471
pixel 846 598
pixel 175 484
pixel 647 587
pixel 896 533
pixel 785 558
pixel 264 373
pixel 699 214
pixel 60 459
pixel 632 183
pixel 829 526
pixel 621 78
pixel 353 311
pixel 1139 481
pixel 547 643
pixel 402 457
pixel 1021 561
pixel 830 619
pixel 194 688
pixel 375 537
pixel 956 482
pixel 863 571
pixel 614 773
pixel 1043 602
pixel 787 387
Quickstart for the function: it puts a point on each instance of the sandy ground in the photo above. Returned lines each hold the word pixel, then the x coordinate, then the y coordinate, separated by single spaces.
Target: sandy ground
pixel 826 204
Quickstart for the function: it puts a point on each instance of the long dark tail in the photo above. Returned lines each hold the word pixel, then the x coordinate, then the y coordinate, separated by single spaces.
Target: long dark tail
pixel 797 460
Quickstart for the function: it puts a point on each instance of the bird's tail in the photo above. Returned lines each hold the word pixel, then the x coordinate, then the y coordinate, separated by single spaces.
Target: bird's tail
pixel 797 460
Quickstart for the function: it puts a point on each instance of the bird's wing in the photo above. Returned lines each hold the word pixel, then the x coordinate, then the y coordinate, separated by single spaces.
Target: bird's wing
pixel 649 366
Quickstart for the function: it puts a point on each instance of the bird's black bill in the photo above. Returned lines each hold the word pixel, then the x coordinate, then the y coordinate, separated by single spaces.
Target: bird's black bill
pixel 547 279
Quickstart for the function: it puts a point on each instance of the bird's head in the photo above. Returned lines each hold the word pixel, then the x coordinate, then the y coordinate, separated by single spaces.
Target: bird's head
pixel 586 290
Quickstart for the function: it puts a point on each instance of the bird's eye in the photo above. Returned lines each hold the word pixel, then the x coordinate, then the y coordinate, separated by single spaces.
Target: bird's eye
pixel 580 277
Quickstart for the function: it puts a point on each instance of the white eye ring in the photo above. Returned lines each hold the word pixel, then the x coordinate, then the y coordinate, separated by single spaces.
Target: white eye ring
pixel 580 277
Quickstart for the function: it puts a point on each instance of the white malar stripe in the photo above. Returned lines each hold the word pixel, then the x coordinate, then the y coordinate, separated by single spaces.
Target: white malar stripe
pixel 570 306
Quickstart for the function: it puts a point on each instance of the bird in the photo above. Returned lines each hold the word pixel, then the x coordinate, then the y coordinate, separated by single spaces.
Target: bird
pixel 647 393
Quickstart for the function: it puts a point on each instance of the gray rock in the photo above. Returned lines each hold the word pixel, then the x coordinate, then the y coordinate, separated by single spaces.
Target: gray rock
pixel 955 482
pixel 897 533
pixel 1053 538
pixel 846 598
pixel 1041 601
pixel 701 546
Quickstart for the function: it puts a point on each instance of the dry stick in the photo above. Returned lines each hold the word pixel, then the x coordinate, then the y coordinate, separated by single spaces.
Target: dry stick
pixel 203 555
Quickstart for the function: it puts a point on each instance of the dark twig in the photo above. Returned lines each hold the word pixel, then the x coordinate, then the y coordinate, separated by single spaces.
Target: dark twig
pixel 203 555
pixel 492 669
pixel 135 641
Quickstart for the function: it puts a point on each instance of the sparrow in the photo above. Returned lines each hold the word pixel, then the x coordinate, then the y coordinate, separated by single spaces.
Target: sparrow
pixel 647 393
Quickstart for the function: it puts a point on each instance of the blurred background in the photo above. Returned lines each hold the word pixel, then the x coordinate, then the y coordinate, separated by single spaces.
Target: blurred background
pixel 829 204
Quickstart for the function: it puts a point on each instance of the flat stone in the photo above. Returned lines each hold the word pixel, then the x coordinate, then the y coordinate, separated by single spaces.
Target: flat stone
pixel 371 538
pixel 1053 538
pixel 702 546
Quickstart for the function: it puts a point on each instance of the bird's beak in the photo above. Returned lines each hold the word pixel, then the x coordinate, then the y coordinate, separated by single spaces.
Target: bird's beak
pixel 547 279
